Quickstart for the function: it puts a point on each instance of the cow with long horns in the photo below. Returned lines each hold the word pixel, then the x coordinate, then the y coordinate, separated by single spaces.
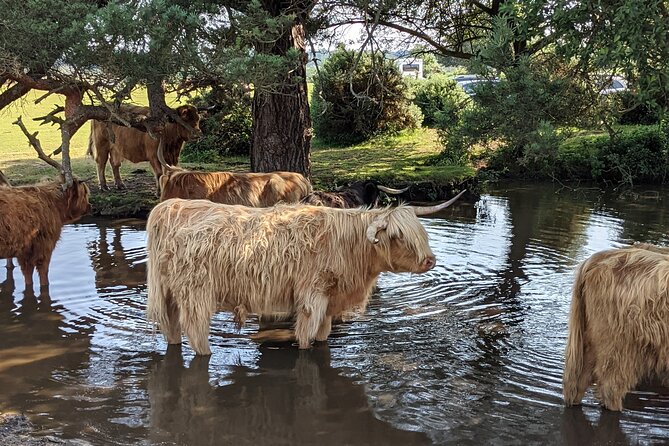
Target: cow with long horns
pixel 359 193
pixel 248 189
pixel 113 143
pixel 313 261
pixel 619 323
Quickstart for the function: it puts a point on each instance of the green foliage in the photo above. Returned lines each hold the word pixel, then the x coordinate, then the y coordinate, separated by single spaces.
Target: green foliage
pixel 634 155
pixel 635 112
pixel 227 131
pixel 440 100
pixel 517 117
pixel 359 96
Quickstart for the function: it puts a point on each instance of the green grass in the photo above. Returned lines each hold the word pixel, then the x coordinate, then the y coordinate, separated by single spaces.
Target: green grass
pixel 394 160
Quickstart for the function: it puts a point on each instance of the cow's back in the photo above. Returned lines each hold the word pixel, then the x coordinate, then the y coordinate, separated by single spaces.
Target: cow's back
pixel 626 293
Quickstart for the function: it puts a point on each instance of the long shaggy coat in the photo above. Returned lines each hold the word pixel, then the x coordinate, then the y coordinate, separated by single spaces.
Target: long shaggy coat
pixel 619 323
pixel 313 261
pixel 31 221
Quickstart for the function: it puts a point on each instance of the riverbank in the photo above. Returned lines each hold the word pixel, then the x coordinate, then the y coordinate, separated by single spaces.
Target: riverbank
pixel 395 161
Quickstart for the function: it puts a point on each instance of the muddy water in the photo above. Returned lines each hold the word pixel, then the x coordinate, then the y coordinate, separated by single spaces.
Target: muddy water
pixel 470 353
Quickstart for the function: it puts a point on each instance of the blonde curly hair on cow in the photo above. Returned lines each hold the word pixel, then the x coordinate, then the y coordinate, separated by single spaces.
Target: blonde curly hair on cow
pixel 314 261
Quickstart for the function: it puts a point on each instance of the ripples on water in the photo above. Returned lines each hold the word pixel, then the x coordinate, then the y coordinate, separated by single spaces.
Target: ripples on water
pixel 469 353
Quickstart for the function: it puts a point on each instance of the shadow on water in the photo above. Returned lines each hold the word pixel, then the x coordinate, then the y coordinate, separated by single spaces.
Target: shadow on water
pixel 293 397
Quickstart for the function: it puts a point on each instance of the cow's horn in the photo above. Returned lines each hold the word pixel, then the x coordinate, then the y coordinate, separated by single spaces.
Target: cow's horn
pixel 390 190
pixel 161 158
pixel 426 210
pixel 375 227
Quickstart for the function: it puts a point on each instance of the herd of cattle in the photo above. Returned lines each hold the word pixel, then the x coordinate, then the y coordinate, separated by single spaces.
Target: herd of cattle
pixel 267 244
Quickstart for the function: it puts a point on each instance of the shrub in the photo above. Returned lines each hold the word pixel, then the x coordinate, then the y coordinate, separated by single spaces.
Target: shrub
pixel 635 155
pixel 227 130
pixel 440 100
pixel 354 99
pixel 634 112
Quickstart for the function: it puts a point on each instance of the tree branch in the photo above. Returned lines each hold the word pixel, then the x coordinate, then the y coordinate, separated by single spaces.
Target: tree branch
pixel 37 146
pixel 13 93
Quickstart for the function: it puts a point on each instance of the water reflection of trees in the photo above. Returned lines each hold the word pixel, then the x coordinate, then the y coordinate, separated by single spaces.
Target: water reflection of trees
pixel 294 397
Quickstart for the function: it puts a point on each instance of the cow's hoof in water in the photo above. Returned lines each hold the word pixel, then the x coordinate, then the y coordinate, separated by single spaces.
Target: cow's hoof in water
pixel 105 188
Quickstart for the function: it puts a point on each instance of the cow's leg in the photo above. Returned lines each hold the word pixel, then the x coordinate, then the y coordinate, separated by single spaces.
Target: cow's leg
pixel 27 269
pixel 325 329
pixel 172 330
pixel 116 169
pixel 196 327
pixel 100 164
pixel 615 377
pixel 43 270
pixel 310 315
pixel 10 264
pixel 584 379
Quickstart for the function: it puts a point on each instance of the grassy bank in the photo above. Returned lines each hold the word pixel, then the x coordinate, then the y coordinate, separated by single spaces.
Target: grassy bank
pixel 393 160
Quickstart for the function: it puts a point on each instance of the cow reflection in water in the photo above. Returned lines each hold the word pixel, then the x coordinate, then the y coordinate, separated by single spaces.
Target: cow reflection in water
pixel 116 265
pixel 294 397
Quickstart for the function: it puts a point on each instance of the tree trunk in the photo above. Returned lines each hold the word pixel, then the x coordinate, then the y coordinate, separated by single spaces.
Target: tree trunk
pixel 281 121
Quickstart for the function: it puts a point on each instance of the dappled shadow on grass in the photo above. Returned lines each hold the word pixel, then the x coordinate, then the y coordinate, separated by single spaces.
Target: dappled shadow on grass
pixel 396 160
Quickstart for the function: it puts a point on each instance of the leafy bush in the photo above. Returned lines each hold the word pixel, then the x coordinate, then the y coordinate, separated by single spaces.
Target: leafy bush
pixel 515 119
pixel 635 155
pixel 227 131
pixel 440 99
pixel 354 99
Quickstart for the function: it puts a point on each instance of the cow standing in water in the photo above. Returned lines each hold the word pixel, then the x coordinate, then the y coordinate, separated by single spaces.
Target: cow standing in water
pixel 32 219
pixel 360 193
pixel 619 323
pixel 4 182
pixel 313 261
pixel 137 146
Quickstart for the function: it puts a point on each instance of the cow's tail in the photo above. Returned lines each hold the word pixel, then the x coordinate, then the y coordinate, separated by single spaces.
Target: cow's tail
pixel 157 302
pixel 91 144
pixel 575 351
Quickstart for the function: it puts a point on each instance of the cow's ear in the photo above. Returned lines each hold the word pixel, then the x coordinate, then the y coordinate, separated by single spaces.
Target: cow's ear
pixel 375 226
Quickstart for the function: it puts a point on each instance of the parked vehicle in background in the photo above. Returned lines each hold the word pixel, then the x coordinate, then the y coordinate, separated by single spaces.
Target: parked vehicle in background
pixel 613 84
pixel 468 82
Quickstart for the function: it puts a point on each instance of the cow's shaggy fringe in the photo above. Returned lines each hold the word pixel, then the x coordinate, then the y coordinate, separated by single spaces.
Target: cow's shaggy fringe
pixel 313 261
pixel 31 220
pixel 619 323
pixel 137 146
pixel 248 189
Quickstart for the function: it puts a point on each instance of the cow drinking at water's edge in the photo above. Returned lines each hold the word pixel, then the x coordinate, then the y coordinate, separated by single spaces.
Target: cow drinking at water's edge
pixel 313 261
pixel 114 143
pixel 619 324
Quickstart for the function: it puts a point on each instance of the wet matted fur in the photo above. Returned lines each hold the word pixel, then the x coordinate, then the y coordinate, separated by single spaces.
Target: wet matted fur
pixel 619 323
pixel 31 221
pixel 313 261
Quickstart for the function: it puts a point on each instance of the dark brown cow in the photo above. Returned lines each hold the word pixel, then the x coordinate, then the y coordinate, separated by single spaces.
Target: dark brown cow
pixel 31 221
pixel 360 193
pixel 137 146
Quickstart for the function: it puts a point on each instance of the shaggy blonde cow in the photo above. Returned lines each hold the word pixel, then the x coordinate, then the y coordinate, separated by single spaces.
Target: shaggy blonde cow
pixel 619 323
pixel 312 261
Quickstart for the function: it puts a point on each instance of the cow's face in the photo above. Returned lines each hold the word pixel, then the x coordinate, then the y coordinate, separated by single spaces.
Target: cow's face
pixel 77 201
pixel 402 241
pixel 189 114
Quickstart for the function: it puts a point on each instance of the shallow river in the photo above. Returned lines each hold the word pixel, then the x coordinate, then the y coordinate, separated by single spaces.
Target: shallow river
pixel 470 353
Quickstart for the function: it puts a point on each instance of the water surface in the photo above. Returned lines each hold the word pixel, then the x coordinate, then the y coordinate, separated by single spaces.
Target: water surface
pixel 469 353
